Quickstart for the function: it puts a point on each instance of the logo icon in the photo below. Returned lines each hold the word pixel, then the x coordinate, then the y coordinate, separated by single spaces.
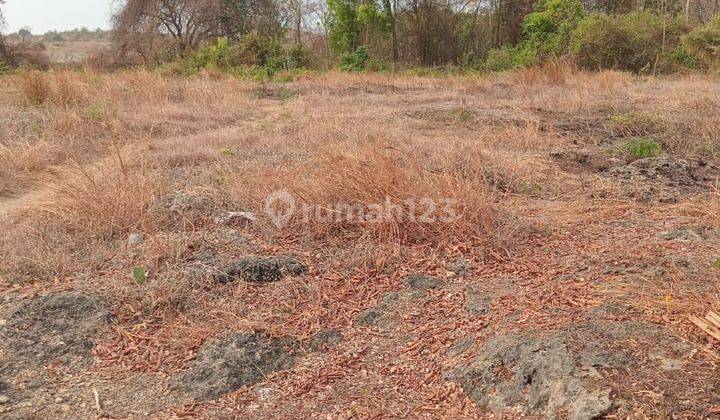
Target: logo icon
pixel 280 206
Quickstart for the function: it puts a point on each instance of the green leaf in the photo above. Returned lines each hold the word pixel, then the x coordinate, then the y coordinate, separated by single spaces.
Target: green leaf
pixel 139 275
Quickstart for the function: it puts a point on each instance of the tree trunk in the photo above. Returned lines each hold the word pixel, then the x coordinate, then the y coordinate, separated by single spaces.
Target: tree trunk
pixel 391 19
pixel 298 21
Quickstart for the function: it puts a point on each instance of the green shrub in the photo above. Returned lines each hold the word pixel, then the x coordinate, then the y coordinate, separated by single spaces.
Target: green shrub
pixel 255 50
pixel 508 58
pixel 641 148
pixel 299 56
pixel 4 67
pixel 684 58
pixel 547 30
pixel 638 42
pixel 704 43
pixel 263 56
pixel 546 34
pixel 599 42
pixel 358 60
pixel 645 34
pixel 716 264
pixel 214 56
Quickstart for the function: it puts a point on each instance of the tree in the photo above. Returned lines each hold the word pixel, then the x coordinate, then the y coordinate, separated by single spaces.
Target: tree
pixel 25 33
pixel 548 29
pixel 296 12
pixel 241 17
pixel 344 27
pixel 390 16
pixel 5 55
pixel 186 22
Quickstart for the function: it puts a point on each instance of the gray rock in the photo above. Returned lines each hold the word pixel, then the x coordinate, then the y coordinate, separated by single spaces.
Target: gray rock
pixel 423 282
pixel 570 370
pixel 368 317
pixel 135 239
pixel 4 399
pixel 325 339
pixel 666 363
pixel 55 326
pixel 181 201
pixel 683 235
pixel 225 365
pixel 460 266
pixel 537 375
pixel 242 218
pixel 390 298
pixel 476 303
pixel 260 270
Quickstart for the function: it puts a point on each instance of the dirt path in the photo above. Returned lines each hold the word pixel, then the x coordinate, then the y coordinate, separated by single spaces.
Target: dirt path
pixel 43 192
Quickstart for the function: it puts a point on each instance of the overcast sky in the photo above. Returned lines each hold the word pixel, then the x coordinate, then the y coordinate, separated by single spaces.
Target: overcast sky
pixel 44 15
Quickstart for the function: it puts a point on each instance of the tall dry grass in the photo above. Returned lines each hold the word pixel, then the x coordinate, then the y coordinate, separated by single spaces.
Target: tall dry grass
pixel 54 118
pixel 336 184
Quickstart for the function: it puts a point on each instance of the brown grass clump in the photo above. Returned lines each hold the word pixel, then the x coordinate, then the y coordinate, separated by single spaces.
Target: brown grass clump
pixel 400 197
pixel 34 87
pixel 77 219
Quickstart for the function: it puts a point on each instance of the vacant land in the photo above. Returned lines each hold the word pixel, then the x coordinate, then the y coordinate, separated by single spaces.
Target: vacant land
pixel 143 275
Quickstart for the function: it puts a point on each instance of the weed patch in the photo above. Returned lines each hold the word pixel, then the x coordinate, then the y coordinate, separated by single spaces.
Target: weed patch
pixel 640 148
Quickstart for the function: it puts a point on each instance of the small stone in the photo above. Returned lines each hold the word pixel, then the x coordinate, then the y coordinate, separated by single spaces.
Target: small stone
pixel 58 400
pixel 368 317
pixel 265 394
pixel 423 282
pixel 460 266
pixel 135 239
pixel 4 399
pixel 476 304
pixel 260 270
pixel 236 218
pixel 326 338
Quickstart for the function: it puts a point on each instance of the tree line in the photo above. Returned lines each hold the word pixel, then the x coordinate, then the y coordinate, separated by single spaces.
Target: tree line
pixel 367 34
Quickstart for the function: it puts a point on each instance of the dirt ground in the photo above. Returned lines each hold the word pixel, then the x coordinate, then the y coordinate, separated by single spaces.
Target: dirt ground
pixel 143 277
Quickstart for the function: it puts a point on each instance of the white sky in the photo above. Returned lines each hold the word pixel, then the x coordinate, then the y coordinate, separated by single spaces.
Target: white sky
pixel 44 15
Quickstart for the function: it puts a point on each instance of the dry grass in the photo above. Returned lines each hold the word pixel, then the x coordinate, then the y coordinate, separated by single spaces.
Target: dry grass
pixel 87 158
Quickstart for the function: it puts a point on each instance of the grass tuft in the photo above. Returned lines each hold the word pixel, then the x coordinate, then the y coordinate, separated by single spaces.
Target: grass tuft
pixel 641 148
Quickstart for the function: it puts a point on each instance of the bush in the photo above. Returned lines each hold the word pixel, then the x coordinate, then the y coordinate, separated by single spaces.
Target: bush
pixel 358 60
pixel 638 42
pixel 704 43
pixel 256 50
pixel 508 58
pixel 265 55
pixel 214 56
pixel 34 87
pixel 598 42
pixel 547 30
pixel 299 57
pixel 684 58
pixel 30 55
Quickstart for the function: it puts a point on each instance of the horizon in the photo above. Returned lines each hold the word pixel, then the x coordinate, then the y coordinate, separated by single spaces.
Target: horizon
pixel 43 16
